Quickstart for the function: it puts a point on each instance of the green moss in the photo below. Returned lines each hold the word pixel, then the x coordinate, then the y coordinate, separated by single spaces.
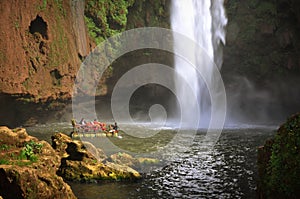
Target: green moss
pixel 94 31
pixel 253 3
pixel 248 32
pixel 57 3
pixel 17 24
pixel 284 165
pixel 4 161
pixel 59 47
pixel 266 8
pixel 106 18
pixel 4 147
pixel 43 6
pixel 266 12
pixel 232 6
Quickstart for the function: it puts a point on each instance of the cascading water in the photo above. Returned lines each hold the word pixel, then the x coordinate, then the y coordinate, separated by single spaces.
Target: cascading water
pixel 203 21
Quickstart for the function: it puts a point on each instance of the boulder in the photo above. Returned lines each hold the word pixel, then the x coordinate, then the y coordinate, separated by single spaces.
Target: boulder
pixel 82 161
pixel 24 182
pixel 28 167
pixel 89 171
pixel 15 137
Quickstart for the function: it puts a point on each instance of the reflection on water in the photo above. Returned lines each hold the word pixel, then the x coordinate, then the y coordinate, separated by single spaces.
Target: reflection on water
pixel 228 171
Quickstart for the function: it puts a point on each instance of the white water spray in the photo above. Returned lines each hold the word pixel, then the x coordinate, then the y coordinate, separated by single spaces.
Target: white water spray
pixel 203 21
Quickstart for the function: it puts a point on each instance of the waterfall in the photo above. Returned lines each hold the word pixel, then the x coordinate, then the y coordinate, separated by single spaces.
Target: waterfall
pixel 203 21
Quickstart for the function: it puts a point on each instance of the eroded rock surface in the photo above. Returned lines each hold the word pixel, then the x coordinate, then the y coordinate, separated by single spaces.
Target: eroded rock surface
pixel 81 161
pixel 29 172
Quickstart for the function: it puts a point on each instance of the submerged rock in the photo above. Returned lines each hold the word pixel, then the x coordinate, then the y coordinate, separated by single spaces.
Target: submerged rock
pixel 128 160
pixel 279 162
pixel 82 161
pixel 125 159
pixel 147 161
pixel 28 167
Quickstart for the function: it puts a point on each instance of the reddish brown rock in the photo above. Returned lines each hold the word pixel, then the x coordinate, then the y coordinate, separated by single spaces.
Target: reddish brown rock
pixel 39 48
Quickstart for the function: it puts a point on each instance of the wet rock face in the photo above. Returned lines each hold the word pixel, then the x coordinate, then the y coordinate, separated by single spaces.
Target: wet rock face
pixel 262 38
pixel 29 171
pixel 81 161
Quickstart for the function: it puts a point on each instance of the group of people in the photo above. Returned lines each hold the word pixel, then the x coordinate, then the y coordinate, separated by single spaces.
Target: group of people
pixel 94 126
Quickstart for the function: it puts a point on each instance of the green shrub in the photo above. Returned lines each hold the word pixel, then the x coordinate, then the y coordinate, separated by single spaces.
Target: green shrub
pixel 4 147
pixel 30 151
pixel 105 18
pixel 4 161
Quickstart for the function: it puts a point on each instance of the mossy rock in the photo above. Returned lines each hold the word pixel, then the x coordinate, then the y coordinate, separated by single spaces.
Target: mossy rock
pixel 279 162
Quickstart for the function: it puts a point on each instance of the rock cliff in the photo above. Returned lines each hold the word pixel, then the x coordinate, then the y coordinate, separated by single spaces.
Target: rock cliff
pixel 40 48
pixel 261 59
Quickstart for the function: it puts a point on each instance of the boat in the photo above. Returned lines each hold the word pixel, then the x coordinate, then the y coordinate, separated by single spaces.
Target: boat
pixel 94 134
pixel 93 129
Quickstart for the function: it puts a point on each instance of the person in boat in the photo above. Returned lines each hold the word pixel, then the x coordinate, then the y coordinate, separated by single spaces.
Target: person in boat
pixel 82 121
pixel 103 126
pixel 115 127
pixel 77 126
pixel 97 125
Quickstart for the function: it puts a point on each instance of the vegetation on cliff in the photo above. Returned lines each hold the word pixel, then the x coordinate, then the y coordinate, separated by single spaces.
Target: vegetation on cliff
pixel 106 18
pixel 279 162
pixel 261 35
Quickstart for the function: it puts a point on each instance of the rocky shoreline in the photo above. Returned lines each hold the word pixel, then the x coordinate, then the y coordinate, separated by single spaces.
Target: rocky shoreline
pixel 30 168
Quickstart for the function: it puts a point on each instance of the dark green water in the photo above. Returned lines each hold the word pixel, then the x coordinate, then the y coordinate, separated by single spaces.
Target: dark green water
pixel 227 171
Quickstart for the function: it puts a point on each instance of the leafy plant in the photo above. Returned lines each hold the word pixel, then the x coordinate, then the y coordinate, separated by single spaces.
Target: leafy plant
pixel 106 18
pixel 4 161
pixel 30 151
pixel 4 147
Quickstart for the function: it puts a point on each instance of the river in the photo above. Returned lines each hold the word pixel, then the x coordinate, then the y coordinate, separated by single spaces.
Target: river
pixel 227 171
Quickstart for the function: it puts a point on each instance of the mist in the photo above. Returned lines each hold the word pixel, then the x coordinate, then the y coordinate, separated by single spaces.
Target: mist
pixel 267 103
